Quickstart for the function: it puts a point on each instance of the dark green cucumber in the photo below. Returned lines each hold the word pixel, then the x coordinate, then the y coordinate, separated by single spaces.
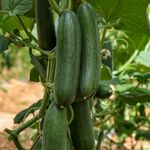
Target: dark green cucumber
pixel 68 50
pixel 103 91
pixel 38 145
pixel 81 128
pixel 55 129
pixel 45 25
pixel 90 51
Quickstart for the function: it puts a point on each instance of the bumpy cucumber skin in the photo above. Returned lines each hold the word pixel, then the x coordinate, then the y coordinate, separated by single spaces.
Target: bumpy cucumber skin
pixel 90 51
pixel 68 50
pixel 55 129
pixel 45 25
pixel 81 128
pixel 103 91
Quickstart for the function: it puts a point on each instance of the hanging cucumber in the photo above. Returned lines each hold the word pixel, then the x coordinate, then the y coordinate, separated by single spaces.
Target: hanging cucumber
pixel 67 59
pixel 81 127
pixel 103 91
pixel 55 129
pixel 45 25
pixel 90 51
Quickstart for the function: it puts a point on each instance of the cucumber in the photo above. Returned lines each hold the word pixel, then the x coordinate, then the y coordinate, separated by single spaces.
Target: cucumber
pixel 55 128
pixel 81 128
pixel 45 25
pixel 68 50
pixel 103 91
pixel 90 51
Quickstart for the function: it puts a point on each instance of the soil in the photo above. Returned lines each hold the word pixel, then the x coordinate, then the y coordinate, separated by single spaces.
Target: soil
pixel 15 96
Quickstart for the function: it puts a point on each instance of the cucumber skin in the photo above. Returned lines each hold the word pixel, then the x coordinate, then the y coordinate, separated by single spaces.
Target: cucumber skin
pixel 68 49
pixel 55 128
pixel 103 91
pixel 81 128
pixel 45 25
pixel 90 51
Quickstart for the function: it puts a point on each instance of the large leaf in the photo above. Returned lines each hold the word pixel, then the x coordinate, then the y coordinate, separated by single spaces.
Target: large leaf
pixel 10 23
pixel 16 7
pixel 131 12
pixel 128 45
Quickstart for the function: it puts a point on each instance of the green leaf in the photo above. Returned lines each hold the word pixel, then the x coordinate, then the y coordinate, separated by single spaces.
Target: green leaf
pixel 16 7
pixel 144 58
pixel 131 12
pixel 105 73
pixel 34 75
pixel 124 126
pixel 4 43
pixel 134 98
pixel 24 113
pixel 10 23
pixel 144 134
pixel 141 77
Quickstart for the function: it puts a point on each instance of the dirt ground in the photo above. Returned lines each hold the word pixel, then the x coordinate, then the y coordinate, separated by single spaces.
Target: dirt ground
pixel 17 95
pixel 14 96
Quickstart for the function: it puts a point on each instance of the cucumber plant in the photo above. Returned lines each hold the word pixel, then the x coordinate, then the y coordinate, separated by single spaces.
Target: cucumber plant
pixel 75 41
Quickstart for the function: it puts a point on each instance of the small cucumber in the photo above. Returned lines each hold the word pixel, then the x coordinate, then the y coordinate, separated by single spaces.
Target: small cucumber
pixel 81 128
pixel 90 51
pixel 67 59
pixel 55 128
pixel 103 91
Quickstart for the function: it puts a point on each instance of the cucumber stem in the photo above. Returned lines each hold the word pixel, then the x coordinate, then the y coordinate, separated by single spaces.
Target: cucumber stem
pixel 55 6
pixel 71 114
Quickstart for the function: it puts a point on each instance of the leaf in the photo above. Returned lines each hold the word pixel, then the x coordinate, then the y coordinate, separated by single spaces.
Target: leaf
pixel 16 7
pixel 10 23
pixel 36 63
pixel 4 43
pixel 144 134
pixel 144 58
pixel 141 77
pixel 131 12
pixel 34 75
pixel 105 73
pixel 134 98
pixel 124 126
pixel 24 113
